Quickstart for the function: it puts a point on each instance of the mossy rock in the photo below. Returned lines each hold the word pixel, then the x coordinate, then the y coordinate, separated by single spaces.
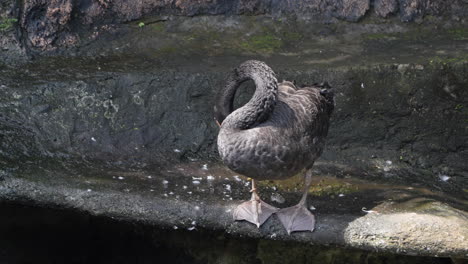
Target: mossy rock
pixel 6 24
pixel 262 43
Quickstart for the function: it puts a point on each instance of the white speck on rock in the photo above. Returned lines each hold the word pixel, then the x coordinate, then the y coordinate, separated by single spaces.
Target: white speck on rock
pixel 165 182
pixel 368 211
pixel 89 190
pixel 276 197
pixel 177 150
pixel 228 210
pixel 191 228
pixel 93 139
pixel 184 187
pixel 237 178
pixel 209 177
pixel 120 178
pixel 388 162
pixel 340 195
pixel 171 193
pixel 444 177
pixel 175 227
pixel 205 167
pixel 228 187
pixel 196 182
pixel 312 208
pixel 362 85
pixel 149 177
pixel 196 208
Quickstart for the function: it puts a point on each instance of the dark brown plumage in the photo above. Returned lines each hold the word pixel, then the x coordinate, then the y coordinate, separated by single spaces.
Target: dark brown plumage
pixel 279 132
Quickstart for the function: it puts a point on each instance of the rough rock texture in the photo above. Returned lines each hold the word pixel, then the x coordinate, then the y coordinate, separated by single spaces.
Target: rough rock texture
pixel 167 114
pixel 411 9
pixel 370 231
pixel 45 26
pixel 106 240
pixel 149 98
pixel 385 8
pixel 10 47
pixel 352 10
pixel 381 218
pixel 42 22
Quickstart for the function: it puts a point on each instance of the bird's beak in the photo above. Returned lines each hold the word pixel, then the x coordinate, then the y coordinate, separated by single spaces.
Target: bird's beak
pixel 217 122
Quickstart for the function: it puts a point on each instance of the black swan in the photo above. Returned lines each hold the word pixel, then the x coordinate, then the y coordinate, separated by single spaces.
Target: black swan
pixel 280 132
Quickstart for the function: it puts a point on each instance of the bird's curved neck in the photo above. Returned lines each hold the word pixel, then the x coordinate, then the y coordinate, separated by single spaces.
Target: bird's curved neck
pixel 259 107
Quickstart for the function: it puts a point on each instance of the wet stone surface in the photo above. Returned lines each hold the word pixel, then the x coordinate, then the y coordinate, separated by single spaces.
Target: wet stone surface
pixel 201 196
pixel 395 121
pixel 44 235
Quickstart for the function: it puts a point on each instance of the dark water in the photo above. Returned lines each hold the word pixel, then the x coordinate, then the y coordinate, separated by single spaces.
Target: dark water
pixel 45 235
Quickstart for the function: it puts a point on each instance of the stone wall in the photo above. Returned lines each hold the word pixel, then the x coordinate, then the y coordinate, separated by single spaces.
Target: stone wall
pixel 47 25
pixel 112 80
pixel 411 116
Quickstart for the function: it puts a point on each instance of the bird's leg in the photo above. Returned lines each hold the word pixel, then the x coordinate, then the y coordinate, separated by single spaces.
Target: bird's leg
pixel 254 211
pixel 298 217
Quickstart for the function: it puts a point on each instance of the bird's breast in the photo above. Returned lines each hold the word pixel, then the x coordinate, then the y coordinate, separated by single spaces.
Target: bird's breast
pixel 257 157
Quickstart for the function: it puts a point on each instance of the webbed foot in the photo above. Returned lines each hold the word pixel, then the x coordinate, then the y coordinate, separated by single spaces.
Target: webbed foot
pixel 296 218
pixel 254 211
